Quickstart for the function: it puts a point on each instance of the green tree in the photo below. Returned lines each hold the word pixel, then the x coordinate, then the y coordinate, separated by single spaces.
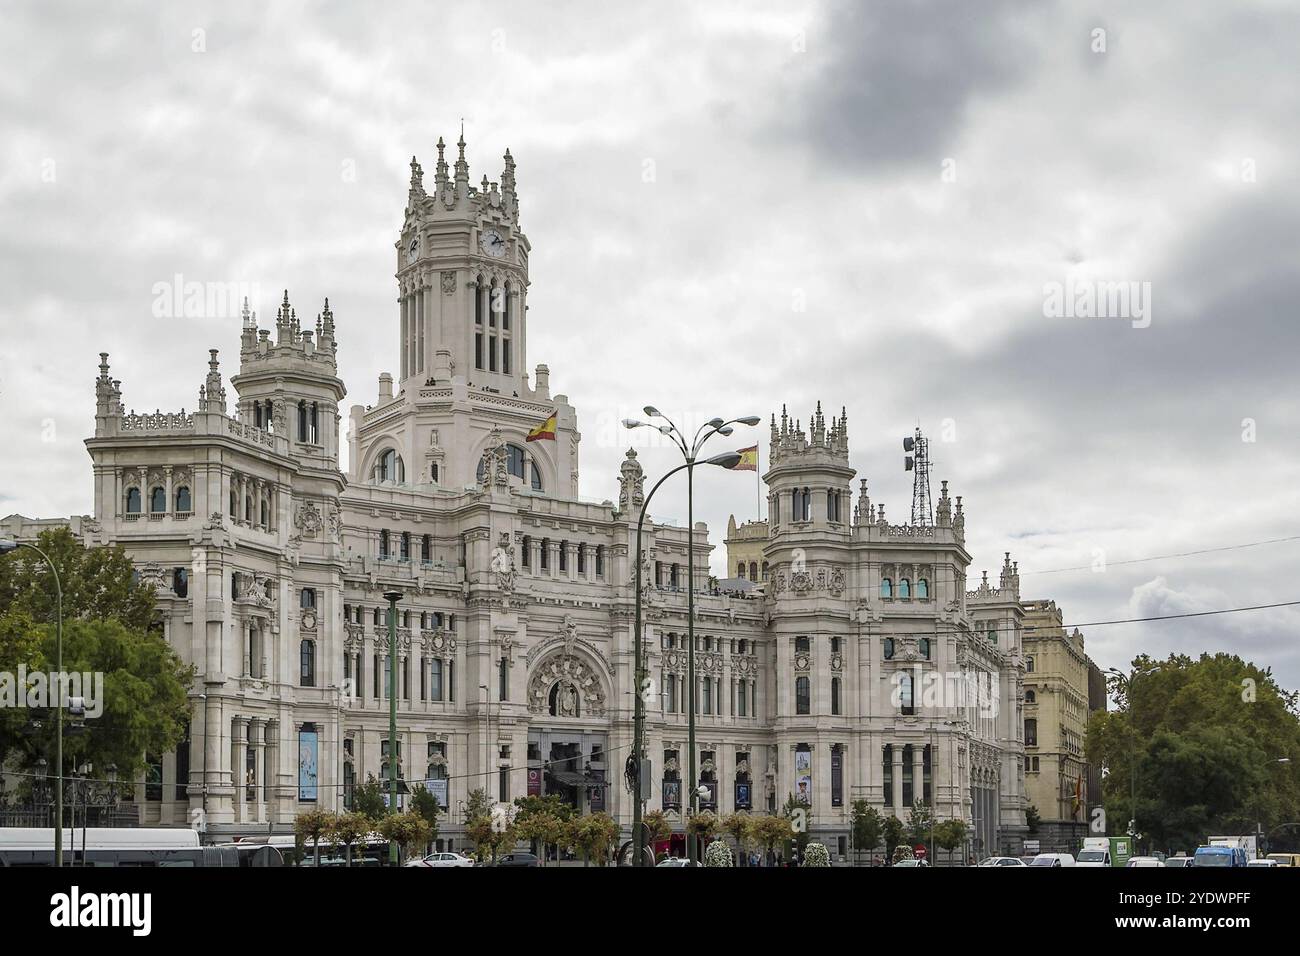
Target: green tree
pixel 368 799
pixel 426 805
pixel 771 831
pixel 867 826
pixel 738 827
pixel 1198 739
pixel 345 829
pixel 110 628
pixel 409 830
pixel 702 826
pixel 657 826
pixel 950 834
pixel 594 834
pixel 1032 818
pixel 892 830
pixel 312 826
pixel 919 820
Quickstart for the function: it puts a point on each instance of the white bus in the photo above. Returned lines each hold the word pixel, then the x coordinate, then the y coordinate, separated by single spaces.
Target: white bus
pixel 111 846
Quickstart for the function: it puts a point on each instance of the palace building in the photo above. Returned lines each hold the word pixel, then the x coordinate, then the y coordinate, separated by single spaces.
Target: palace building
pixel 862 664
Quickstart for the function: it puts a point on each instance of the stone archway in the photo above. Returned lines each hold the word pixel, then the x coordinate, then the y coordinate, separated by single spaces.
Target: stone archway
pixel 564 684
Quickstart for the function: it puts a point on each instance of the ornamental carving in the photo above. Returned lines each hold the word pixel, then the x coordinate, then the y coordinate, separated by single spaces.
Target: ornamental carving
pixel 309 520
pixel 566 686
pixel 449 283
pixel 800 581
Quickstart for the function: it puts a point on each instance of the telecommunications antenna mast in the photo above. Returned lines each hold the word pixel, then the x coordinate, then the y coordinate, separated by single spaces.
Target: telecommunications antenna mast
pixel 918 462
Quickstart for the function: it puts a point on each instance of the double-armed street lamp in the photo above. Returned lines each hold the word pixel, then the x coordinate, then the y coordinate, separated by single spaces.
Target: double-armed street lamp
pixel 690 452
pixel 7 545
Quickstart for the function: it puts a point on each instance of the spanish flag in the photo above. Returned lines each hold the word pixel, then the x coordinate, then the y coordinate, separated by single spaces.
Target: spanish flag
pixel 545 430
pixel 748 459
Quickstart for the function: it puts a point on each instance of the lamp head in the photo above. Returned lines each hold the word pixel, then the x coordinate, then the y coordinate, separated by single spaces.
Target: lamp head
pixel 392 597
pixel 749 420
pixel 651 411
pixel 728 459
pixel 715 422
pixel 632 423
pixel 7 545
pixel 726 430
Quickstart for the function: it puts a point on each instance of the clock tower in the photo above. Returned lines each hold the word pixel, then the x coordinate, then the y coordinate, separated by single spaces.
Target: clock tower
pixel 462 278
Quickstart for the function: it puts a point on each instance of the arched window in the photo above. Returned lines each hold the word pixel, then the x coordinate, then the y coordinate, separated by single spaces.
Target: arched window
pixel 886 588
pixel 764 570
pixel 922 588
pixel 181 582
pixel 564 700
pixel 307 664
pixel 133 501
pixel 753 570
pixel 183 503
pixel 889 648
pixel 904 588
pixel 1031 697
pixel 740 569
pixel 390 467
pixel 802 696
pixel 158 501
pixel 1029 665
pixel 1031 732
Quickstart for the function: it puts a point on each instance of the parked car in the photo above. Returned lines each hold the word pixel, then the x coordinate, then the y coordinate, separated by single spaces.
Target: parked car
pixel 518 859
pixel 1002 861
pixel 442 859
pixel 1053 859
pixel 913 862
pixel 1144 861
pixel 1285 859
pixel 1180 862
pixel 675 861
pixel 1264 862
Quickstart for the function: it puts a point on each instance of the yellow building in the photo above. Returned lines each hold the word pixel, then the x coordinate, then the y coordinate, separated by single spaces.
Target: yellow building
pixel 745 550
pixel 1056 718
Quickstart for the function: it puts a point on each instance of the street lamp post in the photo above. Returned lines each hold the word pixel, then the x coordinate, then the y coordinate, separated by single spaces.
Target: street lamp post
pixel 7 545
pixel 1126 681
pixel 690 453
pixel 392 597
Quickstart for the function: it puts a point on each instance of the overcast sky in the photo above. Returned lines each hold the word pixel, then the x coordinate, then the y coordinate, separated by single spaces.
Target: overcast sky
pixel 731 207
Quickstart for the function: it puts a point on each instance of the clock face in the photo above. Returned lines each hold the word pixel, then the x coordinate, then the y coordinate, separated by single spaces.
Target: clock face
pixel 413 249
pixel 493 244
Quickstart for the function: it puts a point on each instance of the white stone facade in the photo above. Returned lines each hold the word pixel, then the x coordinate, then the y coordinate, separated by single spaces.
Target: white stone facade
pixel 518 596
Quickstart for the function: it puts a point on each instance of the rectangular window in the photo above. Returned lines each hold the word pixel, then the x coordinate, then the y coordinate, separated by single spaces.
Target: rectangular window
pixel 451 680
pixel 308 599
pixel 564 555
pixel 802 696
pixel 582 559
pixel 503 680
pixel 478 350
pixel 492 353
pixel 503 785
pixel 435 679
pixel 505 356
pixel 742 696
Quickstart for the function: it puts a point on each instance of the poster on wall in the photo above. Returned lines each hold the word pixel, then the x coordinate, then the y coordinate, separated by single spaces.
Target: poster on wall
pixel 308 752
pixel 743 797
pixel 439 790
pixel 672 795
pixel 803 776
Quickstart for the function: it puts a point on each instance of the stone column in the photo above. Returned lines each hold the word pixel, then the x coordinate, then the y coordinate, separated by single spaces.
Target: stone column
pixel 897 755
pixel 239 730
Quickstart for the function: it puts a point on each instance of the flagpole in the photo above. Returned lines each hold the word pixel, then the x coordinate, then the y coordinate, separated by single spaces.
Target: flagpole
pixel 758 478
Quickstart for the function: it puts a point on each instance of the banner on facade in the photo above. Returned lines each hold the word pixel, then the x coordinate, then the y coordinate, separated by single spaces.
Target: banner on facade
pixel 837 778
pixel 744 796
pixel 803 776
pixel 439 790
pixel 672 795
pixel 534 782
pixel 308 753
pixel 596 795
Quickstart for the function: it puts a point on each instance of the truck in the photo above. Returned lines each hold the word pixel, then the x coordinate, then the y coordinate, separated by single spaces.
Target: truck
pixel 1247 843
pixel 1105 851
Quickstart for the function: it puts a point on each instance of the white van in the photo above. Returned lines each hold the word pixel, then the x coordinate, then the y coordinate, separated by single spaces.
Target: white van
pixel 1053 859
